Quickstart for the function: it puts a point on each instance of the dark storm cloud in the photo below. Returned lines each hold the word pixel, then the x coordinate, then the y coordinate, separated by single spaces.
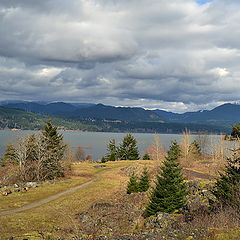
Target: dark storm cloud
pixel 178 55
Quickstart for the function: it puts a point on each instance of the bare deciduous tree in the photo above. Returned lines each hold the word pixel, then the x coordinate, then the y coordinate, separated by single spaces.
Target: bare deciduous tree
pixel 156 150
pixel 80 154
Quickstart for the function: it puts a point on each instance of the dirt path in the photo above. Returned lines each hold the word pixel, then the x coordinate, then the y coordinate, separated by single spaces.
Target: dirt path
pixel 45 200
pixel 191 174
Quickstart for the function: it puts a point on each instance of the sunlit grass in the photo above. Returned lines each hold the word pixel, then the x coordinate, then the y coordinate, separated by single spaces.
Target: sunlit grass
pixel 108 178
pixel 60 213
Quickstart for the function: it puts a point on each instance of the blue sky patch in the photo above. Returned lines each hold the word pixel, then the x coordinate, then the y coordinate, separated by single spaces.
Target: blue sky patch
pixel 201 2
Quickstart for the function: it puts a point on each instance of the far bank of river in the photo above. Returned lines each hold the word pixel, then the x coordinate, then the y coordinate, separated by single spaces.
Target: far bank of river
pixel 95 143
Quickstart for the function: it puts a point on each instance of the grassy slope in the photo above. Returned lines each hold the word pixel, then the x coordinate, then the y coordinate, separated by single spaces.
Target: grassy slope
pixel 46 189
pixel 61 213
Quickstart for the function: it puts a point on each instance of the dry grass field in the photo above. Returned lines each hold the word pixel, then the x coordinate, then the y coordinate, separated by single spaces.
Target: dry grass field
pixel 106 181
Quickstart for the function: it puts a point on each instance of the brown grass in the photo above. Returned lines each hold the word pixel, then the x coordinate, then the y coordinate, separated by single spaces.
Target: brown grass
pixel 49 218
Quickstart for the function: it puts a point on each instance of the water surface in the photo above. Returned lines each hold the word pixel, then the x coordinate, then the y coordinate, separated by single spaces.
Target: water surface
pixel 94 143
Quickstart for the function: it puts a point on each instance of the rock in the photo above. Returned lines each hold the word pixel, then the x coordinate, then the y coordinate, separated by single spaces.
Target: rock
pixel 83 217
pixel 6 191
pixel 124 237
pixel 161 220
pixel 102 238
pixel 25 189
pixel 17 189
pixel 100 166
pixel 101 205
pixel 31 184
pixel 199 199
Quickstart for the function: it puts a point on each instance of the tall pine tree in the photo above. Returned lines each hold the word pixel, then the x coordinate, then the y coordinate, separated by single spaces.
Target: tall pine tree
pixel 170 191
pixel 55 149
pixel 227 187
pixel 112 151
pixel 128 150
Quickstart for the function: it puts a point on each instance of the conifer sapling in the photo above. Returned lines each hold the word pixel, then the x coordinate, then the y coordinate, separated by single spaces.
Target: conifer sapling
pixel 132 184
pixel 169 194
pixel 144 181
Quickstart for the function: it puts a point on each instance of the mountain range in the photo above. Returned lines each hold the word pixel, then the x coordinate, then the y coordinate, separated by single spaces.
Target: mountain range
pixel 86 111
pixel 222 116
pixel 226 114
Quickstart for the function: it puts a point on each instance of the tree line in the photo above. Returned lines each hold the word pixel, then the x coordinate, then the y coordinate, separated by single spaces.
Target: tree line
pixel 37 157
pixel 127 150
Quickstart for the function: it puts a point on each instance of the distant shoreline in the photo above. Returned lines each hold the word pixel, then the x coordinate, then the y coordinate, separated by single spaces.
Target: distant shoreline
pixel 133 132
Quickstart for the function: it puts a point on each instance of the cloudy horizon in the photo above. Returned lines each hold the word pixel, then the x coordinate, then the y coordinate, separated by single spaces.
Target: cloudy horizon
pixel 179 55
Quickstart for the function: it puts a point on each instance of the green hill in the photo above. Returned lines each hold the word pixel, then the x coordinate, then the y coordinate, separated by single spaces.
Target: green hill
pixel 15 118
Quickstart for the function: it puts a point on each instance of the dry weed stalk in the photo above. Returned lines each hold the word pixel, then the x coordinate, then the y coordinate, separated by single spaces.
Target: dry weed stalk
pixel 186 159
pixel 218 152
pixel 68 161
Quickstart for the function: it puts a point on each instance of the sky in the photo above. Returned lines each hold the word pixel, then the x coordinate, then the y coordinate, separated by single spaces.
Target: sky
pixel 178 55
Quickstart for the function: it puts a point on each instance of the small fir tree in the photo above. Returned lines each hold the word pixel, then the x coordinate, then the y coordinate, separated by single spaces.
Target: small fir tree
pixel 144 181
pixel 103 160
pixel 227 187
pixel 170 191
pixel 112 151
pixel 132 184
pixel 128 150
pixel 146 156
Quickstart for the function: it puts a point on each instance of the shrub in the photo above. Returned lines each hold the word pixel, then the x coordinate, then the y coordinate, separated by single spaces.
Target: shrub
pixel 146 156
pixel 132 184
pixel 144 181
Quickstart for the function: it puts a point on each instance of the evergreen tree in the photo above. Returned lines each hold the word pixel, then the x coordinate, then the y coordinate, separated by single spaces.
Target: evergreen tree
pixel 236 131
pixel 31 148
pixel 55 149
pixel 31 158
pixel 103 160
pixel 128 150
pixel 132 184
pixel 146 156
pixel 195 148
pixel 10 155
pixel 144 181
pixel 170 191
pixel 227 187
pixel 112 151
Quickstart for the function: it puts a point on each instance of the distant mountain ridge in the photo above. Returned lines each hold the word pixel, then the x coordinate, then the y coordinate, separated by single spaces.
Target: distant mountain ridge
pixel 86 111
pixel 224 115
